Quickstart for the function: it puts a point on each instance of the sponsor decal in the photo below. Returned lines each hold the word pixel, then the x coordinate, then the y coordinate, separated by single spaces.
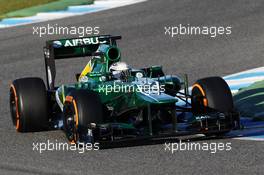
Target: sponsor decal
pixel 78 42
pixel 57 44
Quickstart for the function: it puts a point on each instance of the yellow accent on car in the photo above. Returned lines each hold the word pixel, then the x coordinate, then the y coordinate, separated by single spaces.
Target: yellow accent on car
pixel 86 70
pixel 63 94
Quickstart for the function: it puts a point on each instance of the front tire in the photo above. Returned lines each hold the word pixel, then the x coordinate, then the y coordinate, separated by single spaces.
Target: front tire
pixel 213 94
pixel 28 104
pixel 81 109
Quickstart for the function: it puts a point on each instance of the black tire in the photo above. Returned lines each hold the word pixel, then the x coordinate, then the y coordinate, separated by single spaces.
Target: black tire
pixel 211 94
pixel 81 108
pixel 28 104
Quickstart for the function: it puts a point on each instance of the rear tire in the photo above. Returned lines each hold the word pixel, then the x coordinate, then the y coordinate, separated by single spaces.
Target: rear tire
pixel 81 108
pixel 28 104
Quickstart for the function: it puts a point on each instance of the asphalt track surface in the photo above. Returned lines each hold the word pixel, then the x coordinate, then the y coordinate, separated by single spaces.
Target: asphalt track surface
pixel 143 44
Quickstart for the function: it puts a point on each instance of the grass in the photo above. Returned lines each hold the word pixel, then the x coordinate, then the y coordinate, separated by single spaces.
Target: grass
pixel 13 5
pixel 23 8
pixel 250 101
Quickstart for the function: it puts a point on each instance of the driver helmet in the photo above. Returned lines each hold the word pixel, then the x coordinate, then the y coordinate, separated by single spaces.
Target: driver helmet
pixel 120 70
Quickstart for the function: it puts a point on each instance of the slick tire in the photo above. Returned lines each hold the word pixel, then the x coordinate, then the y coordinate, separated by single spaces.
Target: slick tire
pixel 211 94
pixel 81 109
pixel 28 104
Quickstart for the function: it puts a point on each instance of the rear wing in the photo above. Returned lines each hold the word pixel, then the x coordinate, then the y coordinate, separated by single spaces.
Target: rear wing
pixel 72 48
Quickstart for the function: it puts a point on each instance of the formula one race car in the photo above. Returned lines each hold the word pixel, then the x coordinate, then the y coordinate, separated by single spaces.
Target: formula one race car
pixel 112 102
